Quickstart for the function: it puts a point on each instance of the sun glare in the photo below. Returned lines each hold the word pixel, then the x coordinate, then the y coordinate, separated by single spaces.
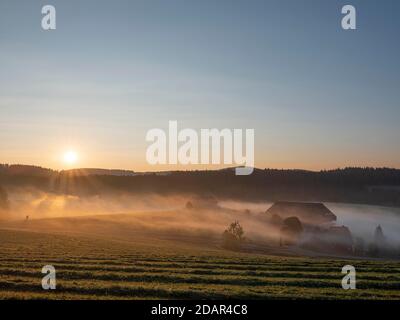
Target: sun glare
pixel 70 157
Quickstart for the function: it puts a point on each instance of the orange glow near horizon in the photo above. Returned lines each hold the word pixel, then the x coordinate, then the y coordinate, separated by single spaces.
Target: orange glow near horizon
pixel 70 158
pixel 73 157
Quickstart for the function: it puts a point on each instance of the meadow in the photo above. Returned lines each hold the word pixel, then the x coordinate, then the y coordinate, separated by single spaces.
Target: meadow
pixel 94 266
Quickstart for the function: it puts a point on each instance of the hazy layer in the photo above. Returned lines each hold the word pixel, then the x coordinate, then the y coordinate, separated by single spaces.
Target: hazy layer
pixel 159 212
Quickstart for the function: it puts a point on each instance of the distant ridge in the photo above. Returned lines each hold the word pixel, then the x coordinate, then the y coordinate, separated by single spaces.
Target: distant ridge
pixel 22 169
pixel 31 170
pixel 378 186
pixel 98 172
pixel 379 174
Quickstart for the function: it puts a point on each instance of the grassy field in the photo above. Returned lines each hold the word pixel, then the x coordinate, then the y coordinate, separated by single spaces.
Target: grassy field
pixel 90 267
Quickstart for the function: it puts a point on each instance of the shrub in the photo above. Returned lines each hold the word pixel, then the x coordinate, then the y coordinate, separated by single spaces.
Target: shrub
pixel 189 205
pixel 233 237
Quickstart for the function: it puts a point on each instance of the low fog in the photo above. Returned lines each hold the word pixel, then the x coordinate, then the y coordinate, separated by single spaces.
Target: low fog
pixel 38 204
pixel 119 214
pixel 149 211
pixel 363 219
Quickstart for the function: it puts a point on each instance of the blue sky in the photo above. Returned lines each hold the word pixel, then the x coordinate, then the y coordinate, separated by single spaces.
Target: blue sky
pixel 316 95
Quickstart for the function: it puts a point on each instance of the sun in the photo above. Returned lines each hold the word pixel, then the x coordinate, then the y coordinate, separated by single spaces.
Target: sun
pixel 70 157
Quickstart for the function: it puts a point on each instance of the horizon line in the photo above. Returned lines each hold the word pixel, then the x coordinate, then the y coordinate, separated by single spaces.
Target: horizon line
pixel 196 170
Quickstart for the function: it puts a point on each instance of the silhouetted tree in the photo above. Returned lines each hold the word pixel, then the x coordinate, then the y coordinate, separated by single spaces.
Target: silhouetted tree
pixel 379 237
pixel 233 237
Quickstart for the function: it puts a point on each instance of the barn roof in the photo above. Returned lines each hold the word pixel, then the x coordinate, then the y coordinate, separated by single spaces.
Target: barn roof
pixel 308 212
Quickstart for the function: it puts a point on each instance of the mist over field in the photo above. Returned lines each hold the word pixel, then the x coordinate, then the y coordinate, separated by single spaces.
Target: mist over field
pixel 167 214
pixel 205 150
pixel 123 243
pixel 40 204
pixel 149 212
pixel 361 219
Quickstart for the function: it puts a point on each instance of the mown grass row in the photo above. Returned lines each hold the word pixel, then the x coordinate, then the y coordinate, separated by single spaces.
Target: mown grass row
pixel 228 261
pixel 166 276
pixel 92 269
pixel 189 291
pixel 206 268
pixel 115 272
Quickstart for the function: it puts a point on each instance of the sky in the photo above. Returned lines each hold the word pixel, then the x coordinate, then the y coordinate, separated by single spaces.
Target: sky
pixel 317 96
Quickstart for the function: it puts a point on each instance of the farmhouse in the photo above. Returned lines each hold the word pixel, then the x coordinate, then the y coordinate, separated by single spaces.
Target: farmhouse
pixel 335 240
pixel 319 233
pixel 308 212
